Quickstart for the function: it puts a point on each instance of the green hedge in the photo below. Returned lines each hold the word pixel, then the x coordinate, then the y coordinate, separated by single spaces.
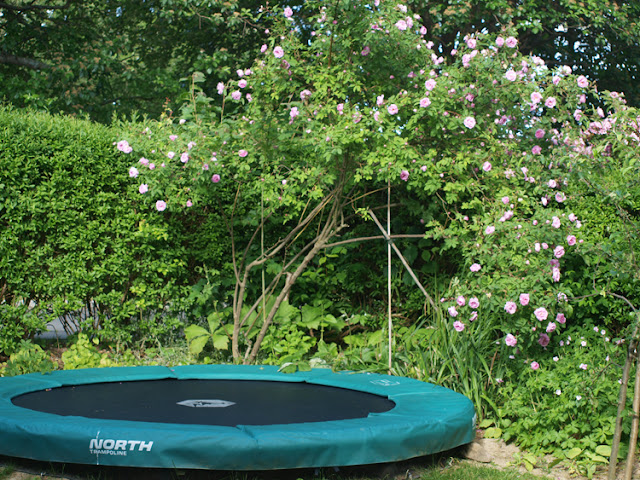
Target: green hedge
pixel 73 234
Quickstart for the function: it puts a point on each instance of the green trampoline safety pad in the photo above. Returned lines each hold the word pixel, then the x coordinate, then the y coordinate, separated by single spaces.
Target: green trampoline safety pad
pixel 227 417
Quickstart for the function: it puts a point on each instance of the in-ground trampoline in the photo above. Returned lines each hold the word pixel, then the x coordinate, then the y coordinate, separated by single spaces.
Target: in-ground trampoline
pixel 227 417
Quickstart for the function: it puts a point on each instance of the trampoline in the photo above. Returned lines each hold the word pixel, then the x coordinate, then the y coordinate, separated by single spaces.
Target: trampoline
pixel 227 417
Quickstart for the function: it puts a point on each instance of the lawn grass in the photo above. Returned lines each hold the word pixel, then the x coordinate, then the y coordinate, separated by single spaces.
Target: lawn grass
pixel 429 468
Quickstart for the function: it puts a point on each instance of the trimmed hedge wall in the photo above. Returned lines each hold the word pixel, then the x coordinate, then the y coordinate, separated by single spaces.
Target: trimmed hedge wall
pixel 74 236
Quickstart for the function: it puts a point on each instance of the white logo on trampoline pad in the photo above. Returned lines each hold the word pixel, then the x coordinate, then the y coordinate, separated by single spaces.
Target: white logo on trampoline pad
pixel 206 403
pixel 110 446
pixel 385 383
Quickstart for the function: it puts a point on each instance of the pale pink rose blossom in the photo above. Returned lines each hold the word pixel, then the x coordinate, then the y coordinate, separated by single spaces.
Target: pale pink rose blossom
pixel 541 313
pixel 458 325
pixel 144 188
pixel 524 299
pixel 161 205
pixel 392 109
pixel 452 311
pixel 535 365
pixel 215 178
pixel 474 302
pixel 469 122
pixel 278 52
pixel 510 307
pixel 510 340
pixel 475 267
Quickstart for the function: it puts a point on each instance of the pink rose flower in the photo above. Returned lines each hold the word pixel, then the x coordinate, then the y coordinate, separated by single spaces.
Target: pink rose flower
pixel 278 52
pixel 541 313
pixel 144 188
pixel 510 307
pixel 458 325
pixel 161 205
pixel 392 109
pixel 510 340
pixel 404 175
pixel 524 299
pixel 571 240
pixel 461 301
pixel 452 311
pixel 543 340
pixel 535 365
pixel 561 319
pixel 558 251
pixel 474 302
pixel 475 267
pixel 469 122
pixel 242 153
pixel 215 178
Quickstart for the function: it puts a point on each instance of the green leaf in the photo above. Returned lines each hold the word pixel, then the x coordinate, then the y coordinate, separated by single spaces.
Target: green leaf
pixel 197 344
pixel 573 453
pixel 604 450
pixel 493 432
pixel 485 423
pixel 194 331
pixel 221 342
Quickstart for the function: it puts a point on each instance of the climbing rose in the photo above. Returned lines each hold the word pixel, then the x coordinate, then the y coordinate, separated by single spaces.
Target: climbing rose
pixel 144 188
pixel 133 172
pixel 161 205
pixel 124 146
pixel 535 365
pixel 582 81
pixel 215 178
pixel 474 302
pixel 452 311
pixel 404 175
pixel 510 307
pixel 459 326
pixel 242 153
pixel 392 109
pixel 541 313
pixel 524 299
pixel 543 340
pixel 510 340
pixel 469 122
pixel 278 52
pixel 475 267
pixel 288 12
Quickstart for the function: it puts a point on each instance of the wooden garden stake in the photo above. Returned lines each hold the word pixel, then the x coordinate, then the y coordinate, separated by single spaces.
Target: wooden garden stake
pixel 633 437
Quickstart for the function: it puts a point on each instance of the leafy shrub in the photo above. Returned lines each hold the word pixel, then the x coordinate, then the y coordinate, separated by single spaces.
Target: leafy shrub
pixel 74 235
pixel 29 358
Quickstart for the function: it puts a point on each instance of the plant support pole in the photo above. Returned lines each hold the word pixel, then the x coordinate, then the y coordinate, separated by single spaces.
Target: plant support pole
pixel 633 437
pixel 389 267
pixel 403 260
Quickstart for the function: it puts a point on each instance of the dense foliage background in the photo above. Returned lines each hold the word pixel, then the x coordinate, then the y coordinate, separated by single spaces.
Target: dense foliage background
pixel 497 143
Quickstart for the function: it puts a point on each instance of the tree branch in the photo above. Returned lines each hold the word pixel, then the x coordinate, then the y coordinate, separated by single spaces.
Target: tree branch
pixel 23 62
pixel 25 8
